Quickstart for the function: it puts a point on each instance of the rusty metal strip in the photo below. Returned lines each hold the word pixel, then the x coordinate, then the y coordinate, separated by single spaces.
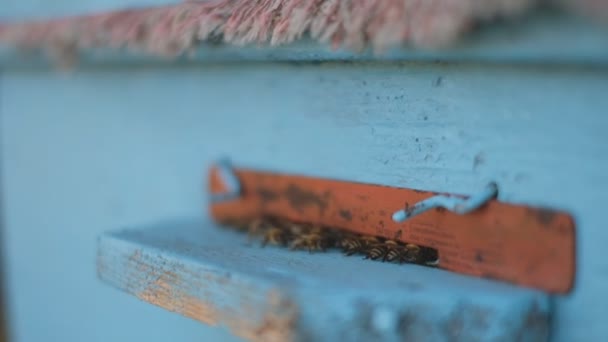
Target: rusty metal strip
pixel 532 247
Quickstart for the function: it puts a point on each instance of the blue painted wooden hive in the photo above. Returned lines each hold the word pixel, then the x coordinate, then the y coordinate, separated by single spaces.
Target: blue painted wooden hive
pixel 102 168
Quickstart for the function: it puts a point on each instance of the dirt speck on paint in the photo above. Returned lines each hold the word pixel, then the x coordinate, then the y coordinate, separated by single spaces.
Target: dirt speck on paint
pixel 300 199
pixel 536 323
pixel 438 82
pixel 479 159
pixel 267 195
pixel 543 216
pixel 346 214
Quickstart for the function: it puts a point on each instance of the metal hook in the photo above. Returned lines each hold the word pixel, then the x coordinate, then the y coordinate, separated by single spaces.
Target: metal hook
pixel 453 204
pixel 230 180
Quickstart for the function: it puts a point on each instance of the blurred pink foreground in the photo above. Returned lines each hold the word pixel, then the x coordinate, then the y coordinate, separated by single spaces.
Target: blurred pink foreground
pixel 352 24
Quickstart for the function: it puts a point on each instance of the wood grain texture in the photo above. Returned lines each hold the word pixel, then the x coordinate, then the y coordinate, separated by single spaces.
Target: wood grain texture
pixel 97 149
pixel 207 292
pixel 269 294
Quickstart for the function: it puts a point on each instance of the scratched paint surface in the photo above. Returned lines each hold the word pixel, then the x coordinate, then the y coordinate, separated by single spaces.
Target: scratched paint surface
pixel 538 132
pixel 269 294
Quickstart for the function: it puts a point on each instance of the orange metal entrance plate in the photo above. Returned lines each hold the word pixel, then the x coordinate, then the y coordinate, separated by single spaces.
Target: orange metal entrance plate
pixel 527 246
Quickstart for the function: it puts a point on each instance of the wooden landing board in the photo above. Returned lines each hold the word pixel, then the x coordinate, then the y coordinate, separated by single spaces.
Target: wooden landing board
pixel 217 277
pixel 522 245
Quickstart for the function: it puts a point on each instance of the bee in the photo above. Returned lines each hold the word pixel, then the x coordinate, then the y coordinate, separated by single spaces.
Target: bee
pixel 410 254
pixel 296 228
pixel 311 241
pixel 350 244
pixel 298 235
pixel 353 244
pixel 395 251
pixel 420 255
pixel 376 251
pixel 388 250
pixel 276 236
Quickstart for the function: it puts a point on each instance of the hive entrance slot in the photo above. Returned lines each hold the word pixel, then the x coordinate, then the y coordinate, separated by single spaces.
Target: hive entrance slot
pixel 272 230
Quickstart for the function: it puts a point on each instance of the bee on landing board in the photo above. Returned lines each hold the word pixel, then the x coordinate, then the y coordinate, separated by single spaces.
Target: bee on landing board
pixel 313 237
pixel 387 250
pixel 296 228
pixel 310 241
pixel 376 251
pixel 354 244
pixel 276 236
pixel 350 244
pixel 395 251
pixel 411 253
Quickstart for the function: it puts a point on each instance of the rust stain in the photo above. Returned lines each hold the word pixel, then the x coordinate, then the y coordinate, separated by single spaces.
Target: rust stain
pixel 299 199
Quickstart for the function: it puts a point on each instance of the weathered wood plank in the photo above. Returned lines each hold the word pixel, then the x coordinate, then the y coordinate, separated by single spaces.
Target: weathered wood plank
pixel 271 294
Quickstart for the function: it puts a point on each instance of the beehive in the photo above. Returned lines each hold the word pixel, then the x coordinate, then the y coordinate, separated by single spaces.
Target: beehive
pixel 124 141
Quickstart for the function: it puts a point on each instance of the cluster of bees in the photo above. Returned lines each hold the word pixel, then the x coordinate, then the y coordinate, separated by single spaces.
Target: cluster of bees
pixel 302 236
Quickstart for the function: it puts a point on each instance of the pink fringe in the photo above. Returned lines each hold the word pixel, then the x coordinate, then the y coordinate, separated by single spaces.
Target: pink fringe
pixel 351 24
